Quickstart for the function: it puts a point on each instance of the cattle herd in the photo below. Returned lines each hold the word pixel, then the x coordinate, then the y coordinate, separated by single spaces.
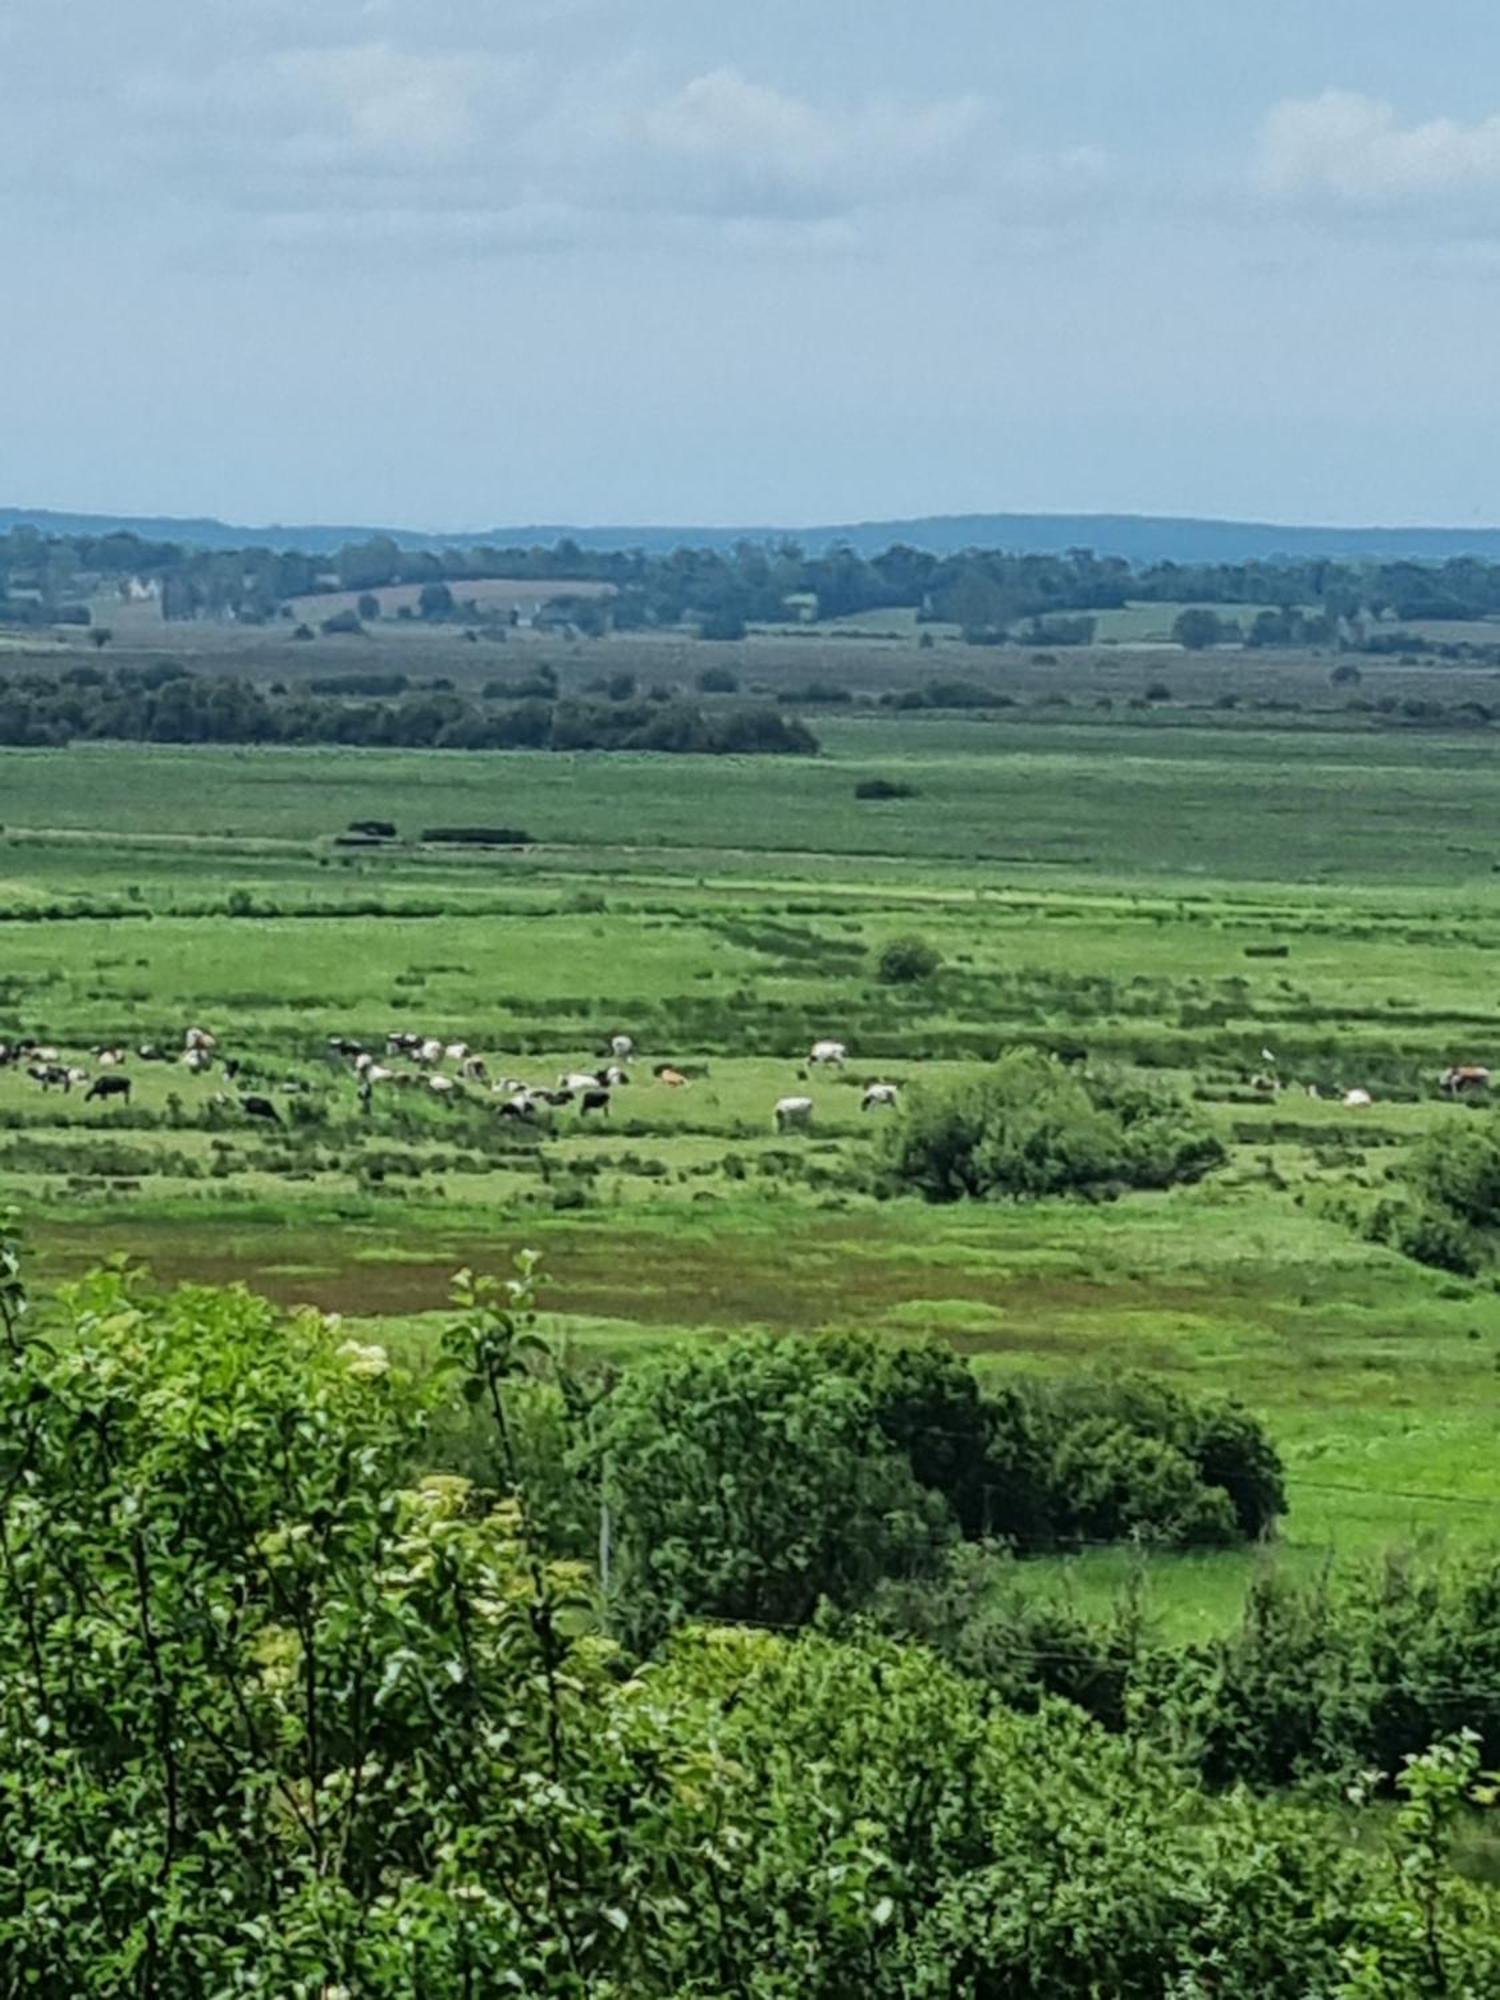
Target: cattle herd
pixel 449 1071
pixel 453 1072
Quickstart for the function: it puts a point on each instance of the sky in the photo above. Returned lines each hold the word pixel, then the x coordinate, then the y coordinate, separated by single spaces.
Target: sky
pixel 454 264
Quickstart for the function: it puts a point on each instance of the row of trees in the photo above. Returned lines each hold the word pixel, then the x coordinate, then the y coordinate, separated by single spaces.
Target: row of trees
pixel 171 705
pixel 1045 598
pixel 279 1715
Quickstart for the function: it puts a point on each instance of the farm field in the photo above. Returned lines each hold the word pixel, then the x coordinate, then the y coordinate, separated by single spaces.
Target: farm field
pixel 1174 895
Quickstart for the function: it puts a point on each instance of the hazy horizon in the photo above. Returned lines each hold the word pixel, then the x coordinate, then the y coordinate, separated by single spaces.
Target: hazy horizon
pixel 629 262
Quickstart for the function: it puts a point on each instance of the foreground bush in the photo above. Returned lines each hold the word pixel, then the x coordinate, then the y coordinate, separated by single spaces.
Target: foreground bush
pixel 278 1720
pixel 1031 1126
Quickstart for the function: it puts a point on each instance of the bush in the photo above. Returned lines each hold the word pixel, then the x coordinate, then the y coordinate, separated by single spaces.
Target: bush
pixel 1458 1169
pixel 905 961
pixel 746 1482
pixel 476 836
pixel 722 625
pixel 884 788
pixel 341 624
pixel 1031 1127
pixel 718 680
pixel 1428 1234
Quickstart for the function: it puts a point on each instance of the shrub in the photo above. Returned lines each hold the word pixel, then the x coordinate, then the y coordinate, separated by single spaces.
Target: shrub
pixel 718 680
pixel 341 624
pixel 905 961
pixel 884 788
pixel 722 625
pixel 476 836
pixel 1458 1169
pixel 1030 1127
pixel 747 1483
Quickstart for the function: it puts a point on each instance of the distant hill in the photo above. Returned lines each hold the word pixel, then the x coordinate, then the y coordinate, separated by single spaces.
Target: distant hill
pixel 1138 538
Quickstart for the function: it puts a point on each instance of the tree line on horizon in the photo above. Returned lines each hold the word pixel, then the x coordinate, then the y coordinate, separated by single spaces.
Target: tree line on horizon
pixel 989 593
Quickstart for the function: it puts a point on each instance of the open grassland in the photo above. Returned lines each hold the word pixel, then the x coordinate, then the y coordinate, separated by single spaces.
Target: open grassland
pixel 1174 893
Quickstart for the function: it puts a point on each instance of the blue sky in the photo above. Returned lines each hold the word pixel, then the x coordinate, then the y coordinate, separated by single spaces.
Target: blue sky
pixel 453 263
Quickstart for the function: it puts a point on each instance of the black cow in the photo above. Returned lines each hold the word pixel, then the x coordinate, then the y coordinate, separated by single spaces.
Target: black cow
pixel 108 1086
pixel 260 1107
pixel 593 1100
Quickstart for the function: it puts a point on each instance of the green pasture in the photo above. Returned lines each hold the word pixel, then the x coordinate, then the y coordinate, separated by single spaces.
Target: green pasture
pixel 1174 893
pixel 1191 802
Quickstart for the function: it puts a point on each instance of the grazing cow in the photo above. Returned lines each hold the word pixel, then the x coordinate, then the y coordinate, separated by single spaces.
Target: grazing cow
pixel 578 1079
pixel 109 1058
pixel 793 1114
pixel 876 1094
pixel 260 1107
pixel 76 1075
pixel 45 1055
pixel 108 1086
pixel 1465 1079
pixel 441 1086
pixel 833 1054
pixel 346 1047
pixel 402 1043
pixel 621 1047
pixel 472 1070
pixel 672 1078
pixel 51 1076
pixel 200 1038
pixel 230 1068
pixel 149 1052
pixel 1356 1100
pixel 593 1100
pixel 556 1098
pixel 612 1077
pixel 457 1052
pixel 198 1061
pixel 429 1053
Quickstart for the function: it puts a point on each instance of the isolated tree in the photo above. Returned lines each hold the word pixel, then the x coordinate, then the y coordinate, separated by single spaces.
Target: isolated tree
pixel 1197 629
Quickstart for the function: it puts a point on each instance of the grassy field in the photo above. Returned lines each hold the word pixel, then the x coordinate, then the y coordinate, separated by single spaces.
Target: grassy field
pixel 1173 890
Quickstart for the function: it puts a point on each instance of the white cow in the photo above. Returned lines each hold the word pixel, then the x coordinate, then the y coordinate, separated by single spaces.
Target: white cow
pixel 457 1052
pixel 878 1094
pixel 794 1114
pixel 835 1054
pixel 198 1060
pixel 578 1079
pixel 430 1052
pixel 621 1047
pixel 200 1038
pixel 1355 1100
pixel 441 1086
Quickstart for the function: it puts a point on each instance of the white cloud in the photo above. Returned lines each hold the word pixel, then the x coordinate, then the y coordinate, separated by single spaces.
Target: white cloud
pixel 491 141
pixel 1356 149
pixel 384 102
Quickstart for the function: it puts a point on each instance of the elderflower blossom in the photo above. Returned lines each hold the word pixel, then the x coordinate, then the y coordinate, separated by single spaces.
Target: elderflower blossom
pixel 366 1362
